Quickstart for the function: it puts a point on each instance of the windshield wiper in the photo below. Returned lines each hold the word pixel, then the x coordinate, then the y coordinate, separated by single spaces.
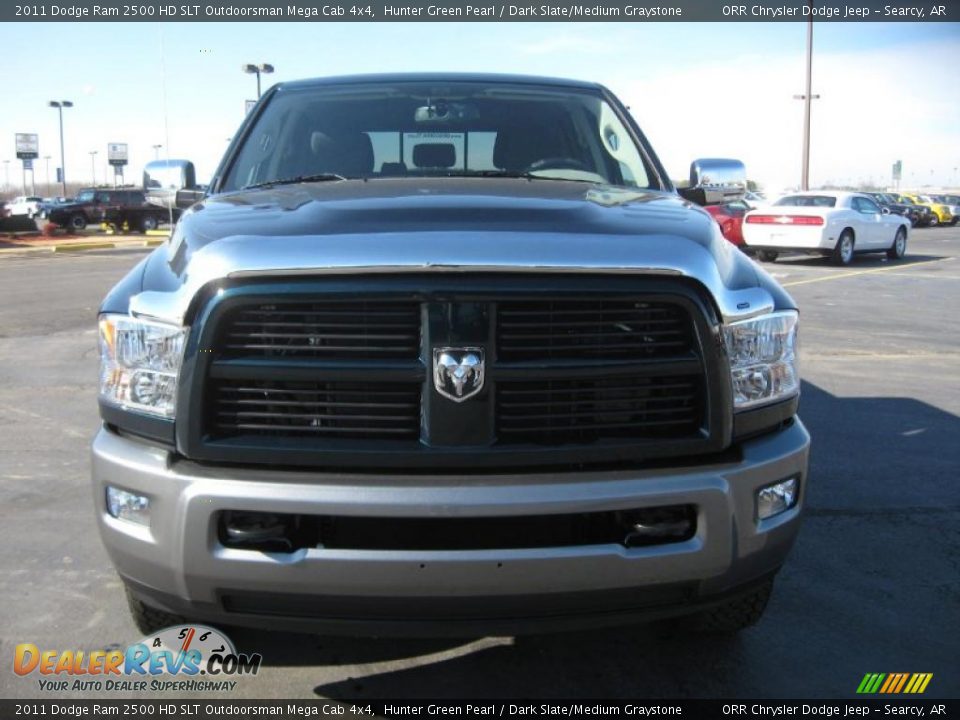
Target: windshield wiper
pixel 319 177
pixel 523 174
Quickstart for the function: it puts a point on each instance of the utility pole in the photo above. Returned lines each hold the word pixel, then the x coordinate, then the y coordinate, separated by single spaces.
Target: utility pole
pixel 93 166
pixel 807 97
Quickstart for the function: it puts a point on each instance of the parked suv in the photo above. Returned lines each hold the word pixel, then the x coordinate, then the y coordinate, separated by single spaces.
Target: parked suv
pixel 448 354
pixel 118 206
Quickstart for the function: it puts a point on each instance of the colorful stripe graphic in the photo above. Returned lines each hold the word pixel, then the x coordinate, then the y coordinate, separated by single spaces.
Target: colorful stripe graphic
pixel 894 683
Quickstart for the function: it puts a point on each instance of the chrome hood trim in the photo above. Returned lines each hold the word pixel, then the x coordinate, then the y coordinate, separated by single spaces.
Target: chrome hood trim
pixel 465 252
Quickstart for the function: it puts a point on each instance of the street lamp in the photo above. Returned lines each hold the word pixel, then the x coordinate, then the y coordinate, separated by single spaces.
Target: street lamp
pixel 93 166
pixel 156 151
pixel 60 105
pixel 6 170
pixel 265 68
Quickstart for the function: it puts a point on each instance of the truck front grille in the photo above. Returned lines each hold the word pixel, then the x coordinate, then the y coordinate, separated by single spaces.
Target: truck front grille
pixel 578 411
pixel 316 409
pixel 576 371
pixel 585 328
pixel 324 328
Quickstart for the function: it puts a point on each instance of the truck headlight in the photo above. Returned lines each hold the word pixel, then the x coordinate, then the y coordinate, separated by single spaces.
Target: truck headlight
pixel 139 364
pixel 763 359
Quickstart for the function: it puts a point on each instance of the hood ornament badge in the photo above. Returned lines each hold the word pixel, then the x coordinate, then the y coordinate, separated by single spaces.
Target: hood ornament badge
pixel 458 372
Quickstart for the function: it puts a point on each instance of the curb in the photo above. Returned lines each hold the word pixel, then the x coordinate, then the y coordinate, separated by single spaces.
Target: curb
pixel 83 246
pixel 104 245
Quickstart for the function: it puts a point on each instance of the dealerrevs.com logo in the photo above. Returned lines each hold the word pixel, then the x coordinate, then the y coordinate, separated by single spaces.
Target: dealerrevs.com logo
pixel 179 658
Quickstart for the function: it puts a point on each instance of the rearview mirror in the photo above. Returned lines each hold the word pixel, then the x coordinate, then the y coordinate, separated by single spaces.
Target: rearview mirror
pixel 715 180
pixel 441 111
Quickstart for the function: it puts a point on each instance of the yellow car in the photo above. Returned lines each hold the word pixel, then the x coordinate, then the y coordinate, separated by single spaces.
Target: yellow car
pixel 941 212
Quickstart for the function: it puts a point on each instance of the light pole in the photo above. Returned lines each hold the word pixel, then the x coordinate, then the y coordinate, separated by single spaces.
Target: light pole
pixel 807 97
pixel 156 151
pixel 47 160
pixel 6 171
pixel 264 68
pixel 60 105
pixel 93 166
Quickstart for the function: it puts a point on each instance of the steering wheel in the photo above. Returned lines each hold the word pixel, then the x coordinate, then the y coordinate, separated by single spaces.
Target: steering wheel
pixel 557 163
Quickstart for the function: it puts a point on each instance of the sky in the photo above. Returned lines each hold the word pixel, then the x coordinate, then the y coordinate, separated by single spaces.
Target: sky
pixel 888 90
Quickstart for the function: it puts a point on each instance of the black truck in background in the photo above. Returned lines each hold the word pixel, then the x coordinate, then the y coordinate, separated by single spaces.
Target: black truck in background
pixel 169 187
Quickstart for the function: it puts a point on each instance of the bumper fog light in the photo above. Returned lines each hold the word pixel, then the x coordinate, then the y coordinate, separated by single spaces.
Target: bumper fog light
pixel 128 506
pixel 777 498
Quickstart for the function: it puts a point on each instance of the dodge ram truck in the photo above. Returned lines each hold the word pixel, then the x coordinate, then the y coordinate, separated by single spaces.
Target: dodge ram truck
pixel 448 354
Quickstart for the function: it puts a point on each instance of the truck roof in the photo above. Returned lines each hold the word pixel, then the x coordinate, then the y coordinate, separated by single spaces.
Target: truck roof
pixel 440 77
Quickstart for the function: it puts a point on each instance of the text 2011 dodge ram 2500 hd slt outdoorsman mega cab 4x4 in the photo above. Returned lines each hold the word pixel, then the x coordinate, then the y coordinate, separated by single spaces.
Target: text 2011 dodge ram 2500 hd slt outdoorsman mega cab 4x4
pixel 448 354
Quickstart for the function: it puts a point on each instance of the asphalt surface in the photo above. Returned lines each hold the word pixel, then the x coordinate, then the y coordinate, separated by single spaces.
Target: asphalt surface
pixel 873 584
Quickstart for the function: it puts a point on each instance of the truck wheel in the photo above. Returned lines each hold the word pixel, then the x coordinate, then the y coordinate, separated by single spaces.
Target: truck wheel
pixel 934 220
pixel 734 615
pixel 148 223
pixel 768 255
pixel 78 222
pixel 899 247
pixel 843 253
pixel 147 619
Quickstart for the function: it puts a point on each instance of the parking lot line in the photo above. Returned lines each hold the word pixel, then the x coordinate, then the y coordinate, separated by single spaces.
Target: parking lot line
pixel 864 272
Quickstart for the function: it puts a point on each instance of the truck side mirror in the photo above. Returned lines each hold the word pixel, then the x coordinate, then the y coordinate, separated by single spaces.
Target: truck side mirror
pixel 715 180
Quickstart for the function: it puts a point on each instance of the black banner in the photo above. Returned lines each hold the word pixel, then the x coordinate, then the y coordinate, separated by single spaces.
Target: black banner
pixel 194 709
pixel 485 11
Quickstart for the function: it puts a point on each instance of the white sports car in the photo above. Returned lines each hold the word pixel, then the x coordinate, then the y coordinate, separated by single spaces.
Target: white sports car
pixel 838 224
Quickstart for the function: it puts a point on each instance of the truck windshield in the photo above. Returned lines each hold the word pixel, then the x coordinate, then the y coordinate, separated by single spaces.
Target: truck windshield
pixel 451 129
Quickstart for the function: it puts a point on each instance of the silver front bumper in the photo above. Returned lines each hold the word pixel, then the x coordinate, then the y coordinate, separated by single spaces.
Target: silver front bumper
pixel 179 564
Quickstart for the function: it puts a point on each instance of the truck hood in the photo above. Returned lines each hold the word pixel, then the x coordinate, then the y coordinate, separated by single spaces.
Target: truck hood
pixel 446 225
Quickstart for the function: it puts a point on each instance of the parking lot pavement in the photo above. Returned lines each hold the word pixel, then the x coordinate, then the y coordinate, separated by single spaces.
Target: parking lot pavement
pixel 872 586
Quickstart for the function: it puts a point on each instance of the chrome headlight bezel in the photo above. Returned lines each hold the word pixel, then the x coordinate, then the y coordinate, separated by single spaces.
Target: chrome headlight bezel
pixel 140 364
pixel 762 352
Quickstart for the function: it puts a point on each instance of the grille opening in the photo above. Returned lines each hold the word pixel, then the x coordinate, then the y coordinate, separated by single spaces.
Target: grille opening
pixel 611 375
pixel 388 411
pixel 334 329
pixel 581 411
pixel 591 328
pixel 274 532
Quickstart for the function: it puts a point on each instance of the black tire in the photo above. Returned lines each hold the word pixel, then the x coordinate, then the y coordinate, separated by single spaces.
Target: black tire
pixel 934 220
pixel 955 220
pixel 147 619
pixel 77 222
pixel 734 615
pixel 149 222
pixel 899 247
pixel 767 255
pixel 843 251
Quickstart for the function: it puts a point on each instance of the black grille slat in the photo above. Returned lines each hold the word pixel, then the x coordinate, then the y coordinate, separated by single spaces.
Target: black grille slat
pixel 340 329
pixel 285 408
pixel 577 411
pixel 585 328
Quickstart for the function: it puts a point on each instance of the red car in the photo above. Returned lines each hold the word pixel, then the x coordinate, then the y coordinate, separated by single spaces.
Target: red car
pixel 730 218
